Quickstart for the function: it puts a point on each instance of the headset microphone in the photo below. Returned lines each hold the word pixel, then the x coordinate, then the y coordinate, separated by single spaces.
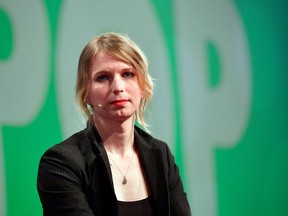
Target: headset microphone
pixel 96 106
pixel 99 105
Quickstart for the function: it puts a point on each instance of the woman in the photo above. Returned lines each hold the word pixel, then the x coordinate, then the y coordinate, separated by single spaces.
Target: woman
pixel 112 167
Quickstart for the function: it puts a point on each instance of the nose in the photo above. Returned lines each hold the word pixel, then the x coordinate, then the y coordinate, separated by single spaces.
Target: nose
pixel 117 85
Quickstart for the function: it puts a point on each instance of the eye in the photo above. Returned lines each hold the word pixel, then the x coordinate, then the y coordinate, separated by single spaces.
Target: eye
pixel 102 78
pixel 128 74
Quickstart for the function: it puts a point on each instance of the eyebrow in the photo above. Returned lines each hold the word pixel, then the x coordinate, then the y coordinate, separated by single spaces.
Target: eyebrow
pixel 108 71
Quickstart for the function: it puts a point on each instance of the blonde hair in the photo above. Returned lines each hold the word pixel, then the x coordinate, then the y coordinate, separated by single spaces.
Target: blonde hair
pixel 121 47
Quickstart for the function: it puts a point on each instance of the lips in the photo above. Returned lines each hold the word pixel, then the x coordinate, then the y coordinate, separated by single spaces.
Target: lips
pixel 120 102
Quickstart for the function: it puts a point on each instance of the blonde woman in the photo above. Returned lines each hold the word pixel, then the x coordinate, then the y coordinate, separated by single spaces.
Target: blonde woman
pixel 112 167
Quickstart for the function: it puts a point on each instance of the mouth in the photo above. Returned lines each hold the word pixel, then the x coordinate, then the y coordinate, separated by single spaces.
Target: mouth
pixel 119 102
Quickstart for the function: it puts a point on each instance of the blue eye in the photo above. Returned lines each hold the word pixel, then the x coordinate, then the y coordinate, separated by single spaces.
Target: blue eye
pixel 102 78
pixel 128 75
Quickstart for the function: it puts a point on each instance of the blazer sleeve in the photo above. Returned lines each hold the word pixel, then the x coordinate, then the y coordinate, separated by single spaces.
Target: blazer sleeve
pixel 60 184
pixel 179 205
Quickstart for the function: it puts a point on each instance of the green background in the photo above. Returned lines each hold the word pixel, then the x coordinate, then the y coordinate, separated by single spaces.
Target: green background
pixel 252 178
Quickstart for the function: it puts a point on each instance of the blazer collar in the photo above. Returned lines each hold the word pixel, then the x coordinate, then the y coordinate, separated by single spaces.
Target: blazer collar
pixel 152 160
pixel 94 137
pixel 153 164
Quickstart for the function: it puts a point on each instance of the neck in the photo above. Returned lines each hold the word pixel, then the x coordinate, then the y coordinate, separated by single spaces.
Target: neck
pixel 117 137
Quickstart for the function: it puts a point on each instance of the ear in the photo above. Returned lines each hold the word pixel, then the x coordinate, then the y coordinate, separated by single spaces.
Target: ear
pixel 88 101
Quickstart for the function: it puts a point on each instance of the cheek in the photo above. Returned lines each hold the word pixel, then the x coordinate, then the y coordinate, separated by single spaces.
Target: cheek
pixel 95 94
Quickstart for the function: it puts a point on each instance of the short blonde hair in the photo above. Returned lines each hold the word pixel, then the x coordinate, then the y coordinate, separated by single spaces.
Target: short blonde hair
pixel 121 47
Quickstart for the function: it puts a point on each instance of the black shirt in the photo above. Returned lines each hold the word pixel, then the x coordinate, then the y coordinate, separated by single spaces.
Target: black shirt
pixel 135 208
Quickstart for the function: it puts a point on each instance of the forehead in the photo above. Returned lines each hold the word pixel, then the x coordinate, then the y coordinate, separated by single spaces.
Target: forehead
pixel 105 62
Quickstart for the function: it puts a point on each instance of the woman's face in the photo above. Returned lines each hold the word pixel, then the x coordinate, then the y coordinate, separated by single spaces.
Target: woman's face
pixel 114 93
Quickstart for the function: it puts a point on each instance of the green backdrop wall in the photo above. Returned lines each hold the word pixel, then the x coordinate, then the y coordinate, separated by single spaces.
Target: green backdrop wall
pixel 220 100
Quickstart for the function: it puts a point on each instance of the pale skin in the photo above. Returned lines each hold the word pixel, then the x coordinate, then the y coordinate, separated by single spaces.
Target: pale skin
pixel 115 95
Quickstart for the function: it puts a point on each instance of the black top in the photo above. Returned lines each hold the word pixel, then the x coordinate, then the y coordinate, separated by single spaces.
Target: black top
pixel 135 208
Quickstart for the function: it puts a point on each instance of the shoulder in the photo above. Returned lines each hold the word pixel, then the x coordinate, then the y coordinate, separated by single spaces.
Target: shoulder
pixel 147 140
pixel 74 152
pixel 71 145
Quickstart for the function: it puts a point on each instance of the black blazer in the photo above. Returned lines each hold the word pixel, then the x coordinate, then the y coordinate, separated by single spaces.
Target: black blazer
pixel 74 177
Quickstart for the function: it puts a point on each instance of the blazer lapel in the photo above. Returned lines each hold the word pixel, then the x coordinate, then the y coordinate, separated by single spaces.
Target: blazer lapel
pixel 152 162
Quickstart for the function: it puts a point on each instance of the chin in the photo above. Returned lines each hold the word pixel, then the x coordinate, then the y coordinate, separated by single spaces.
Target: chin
pixel 123 116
